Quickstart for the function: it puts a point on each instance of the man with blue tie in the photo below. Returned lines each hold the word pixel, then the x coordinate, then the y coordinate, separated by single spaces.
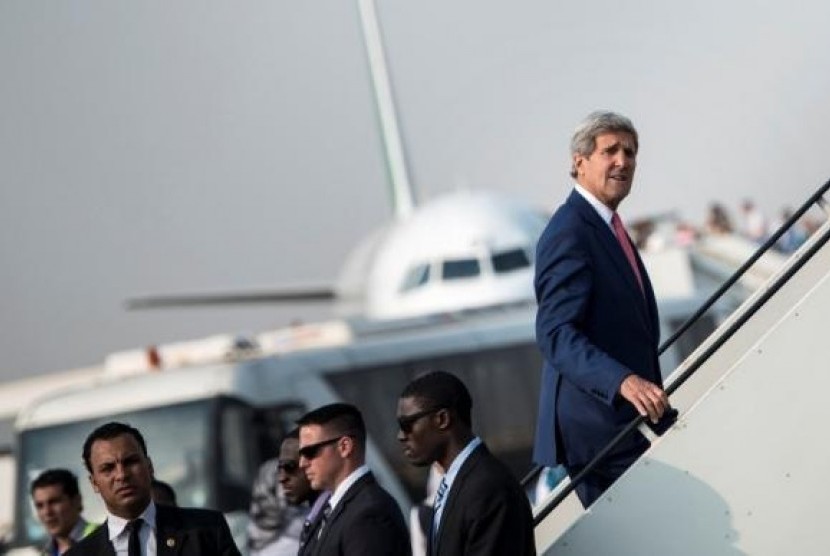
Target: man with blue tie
pixel 479 508
pixel 596 324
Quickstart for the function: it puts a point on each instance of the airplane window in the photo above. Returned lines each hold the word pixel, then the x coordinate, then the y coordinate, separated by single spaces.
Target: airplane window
pixel 507 261
pixel 460 268
pixel 416 277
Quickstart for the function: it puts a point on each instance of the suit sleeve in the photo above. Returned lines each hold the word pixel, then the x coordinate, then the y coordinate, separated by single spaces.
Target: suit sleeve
pixel 564 279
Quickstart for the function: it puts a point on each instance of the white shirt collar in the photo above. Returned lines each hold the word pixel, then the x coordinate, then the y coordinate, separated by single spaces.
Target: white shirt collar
pixel 347 483
pixel 603 211
pixel 459 460
pixel 116 524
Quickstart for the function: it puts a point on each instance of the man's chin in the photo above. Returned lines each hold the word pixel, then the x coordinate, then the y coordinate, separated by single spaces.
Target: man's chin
pixel 419 461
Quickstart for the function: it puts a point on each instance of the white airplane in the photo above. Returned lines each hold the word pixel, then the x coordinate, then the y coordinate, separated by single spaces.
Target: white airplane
pixel 462 250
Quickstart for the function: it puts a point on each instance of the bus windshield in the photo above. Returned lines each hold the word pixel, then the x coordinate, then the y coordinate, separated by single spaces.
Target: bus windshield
pixel 177 442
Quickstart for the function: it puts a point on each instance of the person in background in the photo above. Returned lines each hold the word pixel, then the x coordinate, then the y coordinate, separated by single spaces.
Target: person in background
pixel 163 494
pixel 754 224
pixel 717 220
pixel 58 505
pixel 291 495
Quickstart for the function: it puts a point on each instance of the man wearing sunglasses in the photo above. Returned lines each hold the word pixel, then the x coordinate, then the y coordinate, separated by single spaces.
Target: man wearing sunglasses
pixel 281 498
pixel 480 508
pixel 360 518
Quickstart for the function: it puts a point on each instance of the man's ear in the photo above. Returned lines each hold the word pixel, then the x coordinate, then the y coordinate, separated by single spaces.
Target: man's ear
pixel 346 446
pixel 578 159
pixel 444 419
pixel 150 465
pixel 94 485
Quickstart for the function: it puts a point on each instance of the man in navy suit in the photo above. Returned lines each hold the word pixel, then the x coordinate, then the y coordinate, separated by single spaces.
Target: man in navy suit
pixel 597 324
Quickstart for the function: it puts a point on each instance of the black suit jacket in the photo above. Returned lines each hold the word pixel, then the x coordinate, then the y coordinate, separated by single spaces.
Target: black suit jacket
pixel 486 513
pixel 366 522
pixel 179 532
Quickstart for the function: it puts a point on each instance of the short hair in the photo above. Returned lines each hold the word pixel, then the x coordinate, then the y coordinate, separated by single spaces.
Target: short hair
pixel 440 389
pixel 63 477
pixel 165 489
pixel 292 434
pixel 584 139
pixel 342 418
pixel 109 431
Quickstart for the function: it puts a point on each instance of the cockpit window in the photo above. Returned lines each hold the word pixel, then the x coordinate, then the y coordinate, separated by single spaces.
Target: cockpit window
pixel 460 268
pixel 508 261
pixel 416 277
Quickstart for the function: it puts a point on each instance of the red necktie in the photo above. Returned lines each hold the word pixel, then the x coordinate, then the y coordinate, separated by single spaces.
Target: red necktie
pixel 622 238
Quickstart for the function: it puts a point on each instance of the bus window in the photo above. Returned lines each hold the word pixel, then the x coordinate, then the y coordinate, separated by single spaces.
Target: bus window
pixel 177 438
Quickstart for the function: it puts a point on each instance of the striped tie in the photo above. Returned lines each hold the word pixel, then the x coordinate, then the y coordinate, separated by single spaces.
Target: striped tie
pixel 436 507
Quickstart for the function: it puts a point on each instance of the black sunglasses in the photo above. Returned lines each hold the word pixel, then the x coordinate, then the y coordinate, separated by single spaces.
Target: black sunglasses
pixel 405 422
pixel 288 466
pixel 313 450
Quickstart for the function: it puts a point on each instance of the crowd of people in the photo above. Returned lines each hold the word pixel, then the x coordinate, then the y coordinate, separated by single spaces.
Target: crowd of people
pixel 751 224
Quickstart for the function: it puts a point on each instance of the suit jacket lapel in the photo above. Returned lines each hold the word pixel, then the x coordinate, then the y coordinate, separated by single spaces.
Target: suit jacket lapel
pixel 609 242
pixel 452 495
pixel 169 536
pixel 341 507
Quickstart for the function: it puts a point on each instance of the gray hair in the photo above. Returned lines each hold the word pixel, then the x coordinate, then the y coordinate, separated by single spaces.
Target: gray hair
pixel 584 139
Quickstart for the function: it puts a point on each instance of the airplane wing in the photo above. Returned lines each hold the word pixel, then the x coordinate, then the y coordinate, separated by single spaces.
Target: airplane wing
pixel 287 295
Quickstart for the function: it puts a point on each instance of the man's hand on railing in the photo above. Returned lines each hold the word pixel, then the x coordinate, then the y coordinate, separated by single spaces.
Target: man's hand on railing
pixel 649 399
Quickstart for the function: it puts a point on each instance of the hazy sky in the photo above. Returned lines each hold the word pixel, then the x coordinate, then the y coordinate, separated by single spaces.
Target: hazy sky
pixel 150 147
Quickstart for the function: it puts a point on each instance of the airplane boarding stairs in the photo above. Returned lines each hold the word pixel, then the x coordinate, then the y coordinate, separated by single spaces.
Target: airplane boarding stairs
pixel 746 468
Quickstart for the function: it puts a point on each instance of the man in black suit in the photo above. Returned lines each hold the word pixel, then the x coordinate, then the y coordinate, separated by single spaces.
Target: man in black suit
pixel 115 455
pixel 360 518
pixel 480 508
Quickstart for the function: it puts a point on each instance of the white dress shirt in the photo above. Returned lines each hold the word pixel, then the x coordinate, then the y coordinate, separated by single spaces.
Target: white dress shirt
pixel 604 212
pixel 347 483
pixel 120 537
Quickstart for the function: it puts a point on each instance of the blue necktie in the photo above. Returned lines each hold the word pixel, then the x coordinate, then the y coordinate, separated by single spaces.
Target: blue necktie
pixel 439 502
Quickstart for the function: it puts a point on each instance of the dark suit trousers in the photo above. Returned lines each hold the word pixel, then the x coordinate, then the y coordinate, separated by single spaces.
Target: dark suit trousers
pixel 603 476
